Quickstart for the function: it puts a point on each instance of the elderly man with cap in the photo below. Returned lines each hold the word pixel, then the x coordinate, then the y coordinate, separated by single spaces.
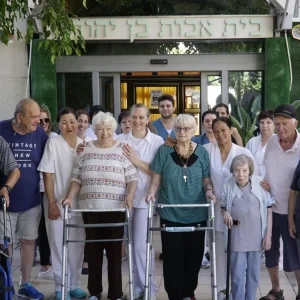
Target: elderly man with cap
pixel 281 158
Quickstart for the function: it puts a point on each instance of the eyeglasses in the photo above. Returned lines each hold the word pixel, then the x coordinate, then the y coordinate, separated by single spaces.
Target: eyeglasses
pixel 185 129
pixel 44 120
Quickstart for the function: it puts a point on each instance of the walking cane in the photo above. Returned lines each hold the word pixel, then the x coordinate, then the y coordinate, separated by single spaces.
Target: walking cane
pixel 235 223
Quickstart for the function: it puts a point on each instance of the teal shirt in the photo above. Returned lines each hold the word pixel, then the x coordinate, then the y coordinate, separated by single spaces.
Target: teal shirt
pixel 161 130
pixel 174 190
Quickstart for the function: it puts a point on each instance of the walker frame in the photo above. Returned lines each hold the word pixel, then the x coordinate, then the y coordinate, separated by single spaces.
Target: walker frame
pixel 210 227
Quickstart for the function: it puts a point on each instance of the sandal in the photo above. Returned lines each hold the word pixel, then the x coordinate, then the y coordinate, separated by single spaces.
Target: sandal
pixel 278 295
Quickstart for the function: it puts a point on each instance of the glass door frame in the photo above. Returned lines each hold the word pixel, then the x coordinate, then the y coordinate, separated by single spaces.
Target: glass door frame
pixel 97 95
pixel 204 92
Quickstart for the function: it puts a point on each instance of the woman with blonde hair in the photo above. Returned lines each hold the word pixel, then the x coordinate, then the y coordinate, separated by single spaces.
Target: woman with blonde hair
pixel 140 147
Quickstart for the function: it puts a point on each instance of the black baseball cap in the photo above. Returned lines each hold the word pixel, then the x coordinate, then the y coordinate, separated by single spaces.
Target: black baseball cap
pixel 286 110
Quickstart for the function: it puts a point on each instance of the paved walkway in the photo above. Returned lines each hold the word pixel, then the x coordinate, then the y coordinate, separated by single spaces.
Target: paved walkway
pixel 203 292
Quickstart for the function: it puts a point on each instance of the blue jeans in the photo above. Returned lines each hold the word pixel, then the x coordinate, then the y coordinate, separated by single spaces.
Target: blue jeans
pixel 245 274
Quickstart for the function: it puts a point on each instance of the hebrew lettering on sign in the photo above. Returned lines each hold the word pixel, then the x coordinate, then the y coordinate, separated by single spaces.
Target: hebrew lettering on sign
pixel 230 22
pixel 195 32
pixel 105 23
pixel 256 22
pixel 90 23
pixel 78 23
pixel 132 24
pixel 206 27
pixel 244 22
pixel 143 23
pixel 180 23
pixel 165 23
pixel 176 27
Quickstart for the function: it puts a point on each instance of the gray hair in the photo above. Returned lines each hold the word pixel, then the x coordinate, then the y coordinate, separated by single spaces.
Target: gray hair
pixel 105 118
pixel 186 120
pixel 241 160
pixel 22 105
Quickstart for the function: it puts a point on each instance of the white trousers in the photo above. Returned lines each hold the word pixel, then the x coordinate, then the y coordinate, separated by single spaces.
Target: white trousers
pixel 139 238
pixel 75 250
pixel 221 261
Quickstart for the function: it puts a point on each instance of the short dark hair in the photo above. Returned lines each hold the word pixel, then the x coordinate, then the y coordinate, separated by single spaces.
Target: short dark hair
pixel 82 112
pixel 165 97
pixel 221 105
pixel 265 114
pixel 94 110
pixel 65 111
pixel 222 119
pixel 122 115
pixel 208 112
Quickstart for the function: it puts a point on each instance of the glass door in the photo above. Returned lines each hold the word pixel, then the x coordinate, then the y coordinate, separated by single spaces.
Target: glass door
pixel 107 92
pixel 191 97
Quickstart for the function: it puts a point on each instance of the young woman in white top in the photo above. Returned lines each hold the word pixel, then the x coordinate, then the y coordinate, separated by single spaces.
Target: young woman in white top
pixel 257 145
pixel 46 270
pixel 83 124
pixel 57 165
pixel 221 155
pixel 140 147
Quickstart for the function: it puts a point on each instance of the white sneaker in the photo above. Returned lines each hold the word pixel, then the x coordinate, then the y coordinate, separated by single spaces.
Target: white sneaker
pixel 47 275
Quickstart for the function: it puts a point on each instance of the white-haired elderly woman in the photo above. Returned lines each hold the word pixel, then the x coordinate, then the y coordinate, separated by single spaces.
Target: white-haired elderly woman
pixel 244 199
pixel 181 176
pixel 106 179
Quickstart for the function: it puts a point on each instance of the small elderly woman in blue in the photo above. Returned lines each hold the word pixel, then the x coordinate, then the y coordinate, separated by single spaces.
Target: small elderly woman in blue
pixel 181 176
pixel 244 199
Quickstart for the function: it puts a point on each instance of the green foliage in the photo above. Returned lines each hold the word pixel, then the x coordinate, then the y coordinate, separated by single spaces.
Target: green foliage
pixel 245 120
pixel 60 35
pixel 296 104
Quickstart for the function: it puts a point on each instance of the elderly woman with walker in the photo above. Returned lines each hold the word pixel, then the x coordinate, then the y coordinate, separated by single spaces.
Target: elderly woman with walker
pixel 244 199
pixel 105 180
pixel 181 176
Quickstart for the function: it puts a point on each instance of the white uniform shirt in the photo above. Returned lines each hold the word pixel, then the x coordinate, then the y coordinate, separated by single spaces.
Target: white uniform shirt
pixel 58 159
pixel 145 149
pixel 42 187
pixel 219 172
pixel 280 168
pixel 254 146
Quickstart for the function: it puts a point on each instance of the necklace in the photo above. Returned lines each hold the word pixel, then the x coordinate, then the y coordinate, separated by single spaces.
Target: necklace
pixel 184 157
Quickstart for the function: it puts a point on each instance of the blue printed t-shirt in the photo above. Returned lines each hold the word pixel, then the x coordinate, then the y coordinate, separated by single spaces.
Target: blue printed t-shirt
pixel 161 130
pixel 28 150
pixel 174 190
pixel 201 139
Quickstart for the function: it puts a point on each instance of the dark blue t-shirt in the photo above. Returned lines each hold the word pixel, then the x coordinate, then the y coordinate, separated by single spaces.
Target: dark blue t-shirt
pixel 28 150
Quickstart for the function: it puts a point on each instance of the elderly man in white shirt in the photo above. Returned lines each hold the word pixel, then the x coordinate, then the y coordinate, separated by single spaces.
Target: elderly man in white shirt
pixel 281 158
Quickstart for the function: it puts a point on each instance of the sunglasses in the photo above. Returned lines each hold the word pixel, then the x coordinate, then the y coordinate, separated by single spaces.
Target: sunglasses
pixel 45 120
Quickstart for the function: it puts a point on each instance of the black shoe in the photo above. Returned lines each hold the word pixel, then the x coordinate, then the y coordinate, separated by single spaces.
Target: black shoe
pixel 161 256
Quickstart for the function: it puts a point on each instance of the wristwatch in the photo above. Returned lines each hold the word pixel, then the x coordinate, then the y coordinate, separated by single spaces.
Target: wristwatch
pixel 7 187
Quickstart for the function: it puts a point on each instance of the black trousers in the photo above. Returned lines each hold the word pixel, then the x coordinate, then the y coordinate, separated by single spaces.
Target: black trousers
pixel 183 253
pixel 113 250
pixel 43 240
